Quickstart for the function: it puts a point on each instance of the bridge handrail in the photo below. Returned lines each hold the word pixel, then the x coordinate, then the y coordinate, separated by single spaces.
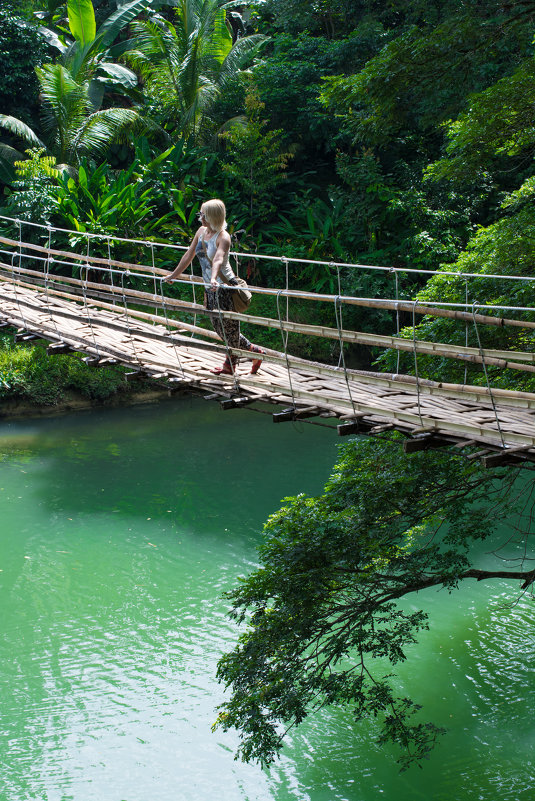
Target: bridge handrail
pixel 474 354
pixel 121 312
pixel 283 259
pixel 499 358
pixel 427 307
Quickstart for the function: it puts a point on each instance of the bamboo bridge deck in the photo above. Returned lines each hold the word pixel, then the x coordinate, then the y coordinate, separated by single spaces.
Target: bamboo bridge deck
pixel 93 318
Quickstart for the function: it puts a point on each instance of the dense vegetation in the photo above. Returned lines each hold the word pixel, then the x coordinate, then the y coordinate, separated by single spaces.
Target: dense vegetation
pixel 29 375
pixel 390 133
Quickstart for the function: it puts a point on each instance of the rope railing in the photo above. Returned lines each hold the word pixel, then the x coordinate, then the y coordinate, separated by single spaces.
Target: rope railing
pixel 427 307
pixel 438 309
pixel 503 359
pixel 281 259
pixel 128 287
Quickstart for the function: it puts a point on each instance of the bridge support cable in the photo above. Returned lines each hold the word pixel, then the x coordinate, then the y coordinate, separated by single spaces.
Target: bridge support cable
pixel 286 285
pixel 167 325
pixel 338 314
pixel 46 274
pixel 84 293
pixel 87 310
pixel 151 245
pixel 127 321
pixel 110 271
pixel 339 284
pixel 475 303
pixel 398 355
pixel 416 364
pixel 284 337
pixel 284 331
pixel 17 278
pixel 466 326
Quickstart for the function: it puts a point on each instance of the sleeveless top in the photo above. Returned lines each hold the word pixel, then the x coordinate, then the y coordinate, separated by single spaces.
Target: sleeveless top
pixel 206 259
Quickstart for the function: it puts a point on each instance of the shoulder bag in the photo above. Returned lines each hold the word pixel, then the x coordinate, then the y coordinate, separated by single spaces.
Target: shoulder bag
pixel 241 295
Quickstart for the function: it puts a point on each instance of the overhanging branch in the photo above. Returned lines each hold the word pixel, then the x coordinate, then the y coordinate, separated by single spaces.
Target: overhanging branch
pixel 526 577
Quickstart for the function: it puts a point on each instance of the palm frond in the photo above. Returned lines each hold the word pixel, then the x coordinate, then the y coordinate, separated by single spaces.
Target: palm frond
pixel 20 130
pixel 119 74
pixel 66 105
pixel 220 42
pixel 184 66
pixel 240 4
pixel 243 52
pixel 102 128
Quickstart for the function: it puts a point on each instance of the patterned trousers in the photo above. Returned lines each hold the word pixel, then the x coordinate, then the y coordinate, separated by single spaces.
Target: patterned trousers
pixel 228 330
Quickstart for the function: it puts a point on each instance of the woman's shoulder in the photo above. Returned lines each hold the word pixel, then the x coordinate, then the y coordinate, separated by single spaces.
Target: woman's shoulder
pixel 224 236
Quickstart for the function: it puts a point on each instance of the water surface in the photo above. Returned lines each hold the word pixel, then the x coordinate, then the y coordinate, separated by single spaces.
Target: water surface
pixel 119 532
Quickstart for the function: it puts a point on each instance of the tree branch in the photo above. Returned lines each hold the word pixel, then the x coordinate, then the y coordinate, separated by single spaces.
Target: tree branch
pixel 527 577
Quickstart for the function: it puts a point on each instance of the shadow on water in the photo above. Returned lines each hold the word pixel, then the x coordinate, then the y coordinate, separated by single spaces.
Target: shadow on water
pixel 186 458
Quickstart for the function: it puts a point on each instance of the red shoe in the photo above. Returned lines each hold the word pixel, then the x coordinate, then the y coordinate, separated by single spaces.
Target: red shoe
pixel 256 362
pixel 227 369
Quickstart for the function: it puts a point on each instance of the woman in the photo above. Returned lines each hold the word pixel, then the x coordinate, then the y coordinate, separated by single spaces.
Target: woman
pixel 211 244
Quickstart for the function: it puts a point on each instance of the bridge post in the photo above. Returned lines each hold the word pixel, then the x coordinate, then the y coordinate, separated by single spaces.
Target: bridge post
pixel 353 426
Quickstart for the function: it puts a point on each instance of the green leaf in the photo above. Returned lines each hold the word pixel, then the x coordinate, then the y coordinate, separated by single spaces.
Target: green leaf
pixel 311 223
pixel 111 27
pixel 8 157
pixel 20 129
pixel 221 43
pixel 119 74
pixel 193 213
pixel 52 39
pixel 82 20
pixel 82 177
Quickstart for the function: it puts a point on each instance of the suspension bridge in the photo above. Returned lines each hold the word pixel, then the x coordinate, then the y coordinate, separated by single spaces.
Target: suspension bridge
pixel 123 312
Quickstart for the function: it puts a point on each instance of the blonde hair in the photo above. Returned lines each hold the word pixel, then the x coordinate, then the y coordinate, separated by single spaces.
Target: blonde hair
pixel 215 213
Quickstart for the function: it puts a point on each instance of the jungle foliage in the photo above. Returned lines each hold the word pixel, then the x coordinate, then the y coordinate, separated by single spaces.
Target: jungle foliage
pixel 29 375
pixel 392 133
pixel 380 133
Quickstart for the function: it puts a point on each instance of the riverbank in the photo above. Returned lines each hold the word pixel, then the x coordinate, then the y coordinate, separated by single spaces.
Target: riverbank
pixel 36 384
pixel 21 408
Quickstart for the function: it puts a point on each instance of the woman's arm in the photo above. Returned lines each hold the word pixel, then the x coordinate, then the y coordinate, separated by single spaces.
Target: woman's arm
pixel 185 261
pixel 220 256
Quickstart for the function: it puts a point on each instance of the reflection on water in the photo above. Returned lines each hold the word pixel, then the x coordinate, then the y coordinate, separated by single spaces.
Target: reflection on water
pixel 120 530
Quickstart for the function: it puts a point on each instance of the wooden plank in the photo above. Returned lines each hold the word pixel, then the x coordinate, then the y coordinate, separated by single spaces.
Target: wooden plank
pixel 295 413
pixel 424 442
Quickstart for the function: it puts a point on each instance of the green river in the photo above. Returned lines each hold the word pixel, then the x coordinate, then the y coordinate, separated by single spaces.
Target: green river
pixel 119 531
